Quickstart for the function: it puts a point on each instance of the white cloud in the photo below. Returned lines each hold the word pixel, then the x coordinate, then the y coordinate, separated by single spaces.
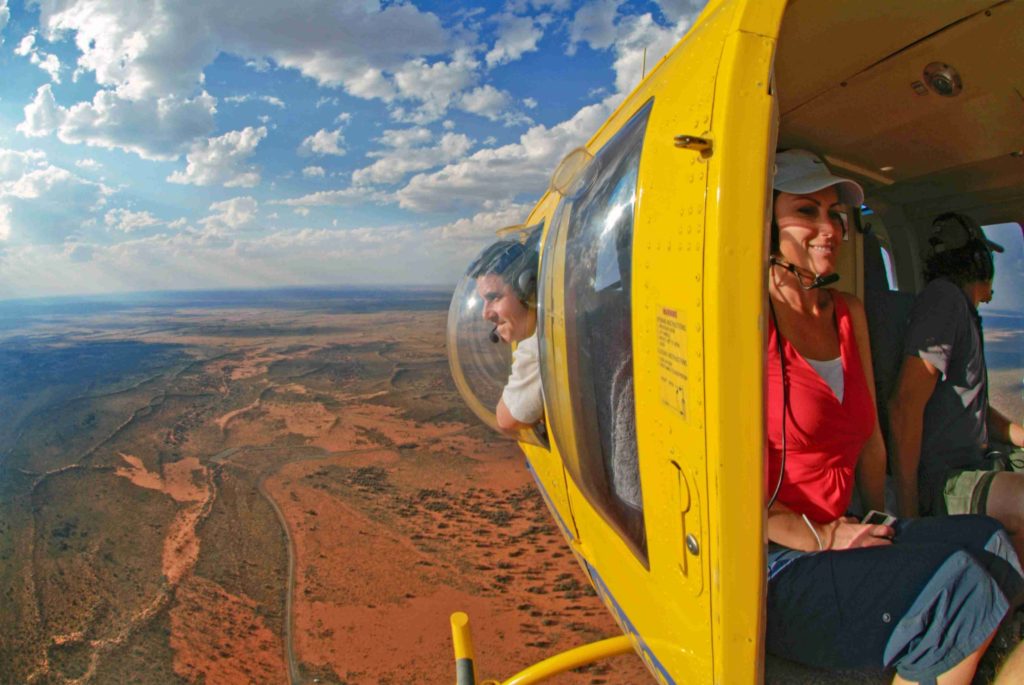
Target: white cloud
pixel 395 164
pixel 153 129
pixel 88 163
pixel 43 115
pixel 269 99
pixel 327 198
pixel 434 85
pixel 49 63
pixel 636 34
pixel 44 203
pixel 529 103
pixel 148 50
pixel 78 252
pixel 371 84
pixel 14 163
pixel 521 6
pixel 594 24
pixel 5 16
pixel 37 182
pixel 313 172
pixel 516 36
pixel 231 215
pixel 324 142
pixel 127 221
pixel 600 25
pixel 45 61
pixel 406 137
pixel 26 44
pixel 149 62
pixel 221 160
pixel 482 225
pixel 487 101
pixel 503 173
pixel 5 222
pixel 259 64
pixel 674 10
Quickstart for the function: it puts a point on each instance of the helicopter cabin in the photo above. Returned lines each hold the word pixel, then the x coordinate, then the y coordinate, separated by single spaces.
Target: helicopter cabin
pixel 652 290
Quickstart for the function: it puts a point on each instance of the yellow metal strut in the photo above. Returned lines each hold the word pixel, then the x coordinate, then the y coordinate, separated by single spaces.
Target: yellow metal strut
pixel 559 663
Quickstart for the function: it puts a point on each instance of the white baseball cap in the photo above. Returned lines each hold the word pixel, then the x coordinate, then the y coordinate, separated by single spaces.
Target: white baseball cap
pixel 800 172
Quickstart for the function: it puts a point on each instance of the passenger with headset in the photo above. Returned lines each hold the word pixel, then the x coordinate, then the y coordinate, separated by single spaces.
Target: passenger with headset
pixel 943 426
pixel 922 596
pixel 506 281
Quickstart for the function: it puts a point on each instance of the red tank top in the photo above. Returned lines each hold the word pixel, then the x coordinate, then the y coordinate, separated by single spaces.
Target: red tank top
pixel 824 436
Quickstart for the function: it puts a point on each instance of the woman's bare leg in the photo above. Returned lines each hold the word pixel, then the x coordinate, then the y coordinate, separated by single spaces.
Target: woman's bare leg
pixel 1005 503
pixel 1012 671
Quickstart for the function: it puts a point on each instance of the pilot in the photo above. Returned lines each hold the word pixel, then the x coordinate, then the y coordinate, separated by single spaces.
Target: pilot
pixel 506 281
pixel 923 596
pixel 941 419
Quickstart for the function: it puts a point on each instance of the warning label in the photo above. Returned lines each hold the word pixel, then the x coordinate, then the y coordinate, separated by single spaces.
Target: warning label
pixel 672 366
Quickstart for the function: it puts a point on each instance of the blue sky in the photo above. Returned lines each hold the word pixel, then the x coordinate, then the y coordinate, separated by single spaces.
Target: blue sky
pixel 250 143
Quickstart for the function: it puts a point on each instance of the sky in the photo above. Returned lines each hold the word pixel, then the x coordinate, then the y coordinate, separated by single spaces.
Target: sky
pixel 256 143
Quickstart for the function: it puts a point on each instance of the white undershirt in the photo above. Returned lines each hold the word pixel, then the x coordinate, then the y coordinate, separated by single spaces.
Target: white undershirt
pixel 831 371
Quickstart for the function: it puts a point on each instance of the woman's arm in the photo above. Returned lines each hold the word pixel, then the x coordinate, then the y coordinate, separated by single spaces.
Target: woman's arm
pixel 790 529
pixel 872 460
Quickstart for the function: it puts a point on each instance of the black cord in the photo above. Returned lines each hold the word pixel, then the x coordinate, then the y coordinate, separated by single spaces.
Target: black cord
pixel 785 402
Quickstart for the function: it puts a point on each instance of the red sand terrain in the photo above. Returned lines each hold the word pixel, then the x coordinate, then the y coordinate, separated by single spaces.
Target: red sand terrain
pixel 220 639
pixel 392 522
pixel 376 581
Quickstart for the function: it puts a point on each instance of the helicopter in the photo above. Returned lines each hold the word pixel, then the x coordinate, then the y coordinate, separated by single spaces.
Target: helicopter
pixel 653 250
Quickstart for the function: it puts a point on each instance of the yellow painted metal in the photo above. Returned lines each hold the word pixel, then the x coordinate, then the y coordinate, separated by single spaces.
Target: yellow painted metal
pixel 462 640
pixel 574 658
pixel 694 611
pixel 698 283
pixel 735 248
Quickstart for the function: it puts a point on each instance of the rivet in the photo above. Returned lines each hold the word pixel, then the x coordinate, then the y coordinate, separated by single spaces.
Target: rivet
pixel 692 545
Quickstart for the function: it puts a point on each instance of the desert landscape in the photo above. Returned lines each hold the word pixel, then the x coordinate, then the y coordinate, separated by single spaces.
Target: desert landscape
pixel 279 487
pixel 257 489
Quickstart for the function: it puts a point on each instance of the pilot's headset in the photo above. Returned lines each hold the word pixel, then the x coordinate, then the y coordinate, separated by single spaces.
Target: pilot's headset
pixel 515 261
pixel 958 236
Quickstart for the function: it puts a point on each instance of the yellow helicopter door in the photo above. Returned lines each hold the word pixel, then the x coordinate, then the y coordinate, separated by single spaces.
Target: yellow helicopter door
pixel 652 291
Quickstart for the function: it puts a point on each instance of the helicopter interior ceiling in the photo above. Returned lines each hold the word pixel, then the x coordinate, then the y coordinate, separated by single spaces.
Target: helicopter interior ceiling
pixel 852 85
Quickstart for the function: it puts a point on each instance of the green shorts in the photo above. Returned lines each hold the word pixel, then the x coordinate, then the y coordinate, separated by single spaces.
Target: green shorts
pixel 966 491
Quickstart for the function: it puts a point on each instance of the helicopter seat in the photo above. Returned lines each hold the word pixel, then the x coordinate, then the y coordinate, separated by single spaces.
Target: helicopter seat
pixel 888 312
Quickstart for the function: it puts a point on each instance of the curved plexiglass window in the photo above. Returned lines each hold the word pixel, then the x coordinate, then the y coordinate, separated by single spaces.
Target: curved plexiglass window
pixel 480 367
pixel 598 334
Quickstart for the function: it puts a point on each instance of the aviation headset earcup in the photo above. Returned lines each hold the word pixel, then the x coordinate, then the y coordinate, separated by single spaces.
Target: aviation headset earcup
pixel 526 284
pixel 981 256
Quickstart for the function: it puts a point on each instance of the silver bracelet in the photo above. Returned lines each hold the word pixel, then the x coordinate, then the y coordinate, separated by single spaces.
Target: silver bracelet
pixel 814 532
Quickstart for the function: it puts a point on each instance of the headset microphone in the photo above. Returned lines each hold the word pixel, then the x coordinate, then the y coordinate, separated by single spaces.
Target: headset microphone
pixel 494 335
pixel 819 281
pixel 822 281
